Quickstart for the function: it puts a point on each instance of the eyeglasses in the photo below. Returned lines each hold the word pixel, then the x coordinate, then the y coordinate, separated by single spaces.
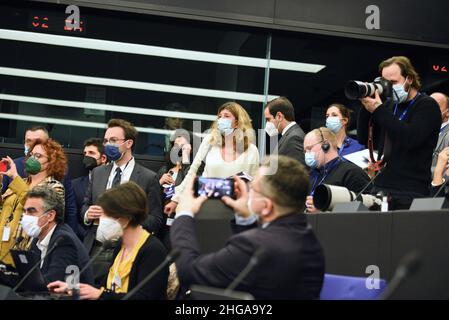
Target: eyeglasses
pixel 112 140
pixel 251 186
pixel 308 148
pixel 37 155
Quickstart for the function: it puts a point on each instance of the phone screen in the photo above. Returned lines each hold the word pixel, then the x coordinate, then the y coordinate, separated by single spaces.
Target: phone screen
pixel 214 188
pixel 3 166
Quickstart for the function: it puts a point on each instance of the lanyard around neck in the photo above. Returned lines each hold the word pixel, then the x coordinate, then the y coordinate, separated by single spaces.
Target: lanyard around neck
pixel 404 113
pixel 326 173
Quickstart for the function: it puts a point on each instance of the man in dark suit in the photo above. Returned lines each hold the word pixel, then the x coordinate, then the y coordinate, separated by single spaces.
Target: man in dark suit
pixel 41 133
pixel 443 138
pixel 93 157
pixel 291 265
pixel 119 140
pixel 53 239
pixel 280 119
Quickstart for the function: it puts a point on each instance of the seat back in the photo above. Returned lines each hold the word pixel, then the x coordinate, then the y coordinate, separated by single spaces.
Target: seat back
pixel 337 287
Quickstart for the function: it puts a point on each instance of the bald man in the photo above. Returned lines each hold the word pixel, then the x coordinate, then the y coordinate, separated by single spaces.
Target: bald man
pixel 443 138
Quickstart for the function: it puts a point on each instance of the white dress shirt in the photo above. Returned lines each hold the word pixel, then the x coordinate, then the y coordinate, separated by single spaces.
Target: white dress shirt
pixel 127 170
pixel 43 244
pixel 291 124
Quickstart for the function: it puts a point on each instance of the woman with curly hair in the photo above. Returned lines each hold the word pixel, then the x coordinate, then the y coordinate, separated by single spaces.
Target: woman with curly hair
pixel 45 165
pixel 227 150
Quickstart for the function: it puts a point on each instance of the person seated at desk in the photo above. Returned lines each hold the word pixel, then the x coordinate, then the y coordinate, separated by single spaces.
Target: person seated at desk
pixel 292 263
pixel 326 167
pixel 136 256
pixel 54 241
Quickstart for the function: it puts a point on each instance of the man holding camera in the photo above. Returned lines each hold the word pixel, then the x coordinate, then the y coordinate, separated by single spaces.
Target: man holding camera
pixel 277 201
pixel 409 123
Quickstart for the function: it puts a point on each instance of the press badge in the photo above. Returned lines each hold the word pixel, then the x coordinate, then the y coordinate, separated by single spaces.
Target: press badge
pixel 23 259
pixel 6 233
pixel 117 280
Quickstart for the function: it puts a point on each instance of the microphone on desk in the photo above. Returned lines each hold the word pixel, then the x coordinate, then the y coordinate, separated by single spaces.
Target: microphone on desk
pixel 441 188
pixel 172 256
pixel 27 275
pixel 198 292
pixel 75 280
pixel 106 245
pixel 369 183
pixel 408 266
pixel 253 261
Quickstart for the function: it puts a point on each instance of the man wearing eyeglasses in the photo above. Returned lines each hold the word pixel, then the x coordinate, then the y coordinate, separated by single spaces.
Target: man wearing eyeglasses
pixel 268 217
pixel 53 241
pixel 119 142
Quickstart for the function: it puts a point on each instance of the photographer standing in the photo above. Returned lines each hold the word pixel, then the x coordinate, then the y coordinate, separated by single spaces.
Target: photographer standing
pixel 409 124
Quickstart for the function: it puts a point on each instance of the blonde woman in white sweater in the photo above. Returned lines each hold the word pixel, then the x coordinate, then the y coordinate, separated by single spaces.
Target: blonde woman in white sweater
pixel 228 149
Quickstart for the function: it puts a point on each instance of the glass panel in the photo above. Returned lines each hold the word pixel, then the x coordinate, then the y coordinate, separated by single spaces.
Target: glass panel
pixel 131 71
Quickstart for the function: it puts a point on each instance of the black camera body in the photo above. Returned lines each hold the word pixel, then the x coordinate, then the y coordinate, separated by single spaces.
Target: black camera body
pixel 355 90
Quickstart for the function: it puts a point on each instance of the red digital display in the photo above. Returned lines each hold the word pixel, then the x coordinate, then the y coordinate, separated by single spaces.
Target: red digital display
pixel 440 68
pixel 54 23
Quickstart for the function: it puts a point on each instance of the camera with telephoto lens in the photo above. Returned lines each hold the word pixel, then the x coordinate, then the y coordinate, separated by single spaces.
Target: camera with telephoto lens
pixel 326 196
pixel 358 89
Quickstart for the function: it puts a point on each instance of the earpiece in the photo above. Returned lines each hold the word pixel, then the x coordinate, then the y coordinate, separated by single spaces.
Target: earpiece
pixel 325 146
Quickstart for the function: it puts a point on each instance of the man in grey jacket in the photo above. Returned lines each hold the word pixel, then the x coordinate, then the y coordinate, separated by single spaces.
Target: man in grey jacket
pixel 280 117
pixel 443 138
pixel 119 141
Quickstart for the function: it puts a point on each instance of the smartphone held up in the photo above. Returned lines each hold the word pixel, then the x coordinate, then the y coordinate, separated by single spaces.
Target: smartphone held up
pixel 214 188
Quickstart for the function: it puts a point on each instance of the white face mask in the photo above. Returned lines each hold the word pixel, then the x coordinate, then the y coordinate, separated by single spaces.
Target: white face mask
pixel 399 93
pixel 250 206
pixel 30 225
pixel 271 129
pixel 109 230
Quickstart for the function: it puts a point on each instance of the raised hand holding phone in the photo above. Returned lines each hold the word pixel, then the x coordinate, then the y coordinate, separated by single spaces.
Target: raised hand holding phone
pixel 4 164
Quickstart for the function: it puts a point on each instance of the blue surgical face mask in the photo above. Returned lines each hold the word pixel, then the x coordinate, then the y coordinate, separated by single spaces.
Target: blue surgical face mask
pixel 225 126
pixel 26 149
pixel 333 124
pixel 310 158
pixel 399 93
pixel 112 151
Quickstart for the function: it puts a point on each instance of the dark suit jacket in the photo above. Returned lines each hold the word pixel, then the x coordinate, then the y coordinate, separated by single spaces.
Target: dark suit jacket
pixel 291 267
pixel 80 186
pixel 68 251
pixel 443 142
pixel 291 143
pixel 144 177
pixel 70 213
pixel 150 255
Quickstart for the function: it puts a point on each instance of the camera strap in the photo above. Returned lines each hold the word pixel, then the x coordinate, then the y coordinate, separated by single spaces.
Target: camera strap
pixel 376 165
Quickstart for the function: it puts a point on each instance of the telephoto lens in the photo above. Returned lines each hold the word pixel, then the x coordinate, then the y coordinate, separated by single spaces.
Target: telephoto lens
pixel 358 89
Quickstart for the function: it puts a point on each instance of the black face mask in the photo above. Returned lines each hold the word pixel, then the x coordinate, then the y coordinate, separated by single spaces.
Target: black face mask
pixel 89 163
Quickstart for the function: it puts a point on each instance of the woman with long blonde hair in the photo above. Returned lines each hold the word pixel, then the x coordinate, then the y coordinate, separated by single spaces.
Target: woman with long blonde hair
pixel 227 150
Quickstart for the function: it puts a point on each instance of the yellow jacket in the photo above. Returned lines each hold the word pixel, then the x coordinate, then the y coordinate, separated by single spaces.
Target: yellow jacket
pixel 13 201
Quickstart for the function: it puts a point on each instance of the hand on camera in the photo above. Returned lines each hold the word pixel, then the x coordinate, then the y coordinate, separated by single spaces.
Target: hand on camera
pixel 187 201
pixel 240 205
pixel 371 104
pixel 310 206
pixel 12 171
